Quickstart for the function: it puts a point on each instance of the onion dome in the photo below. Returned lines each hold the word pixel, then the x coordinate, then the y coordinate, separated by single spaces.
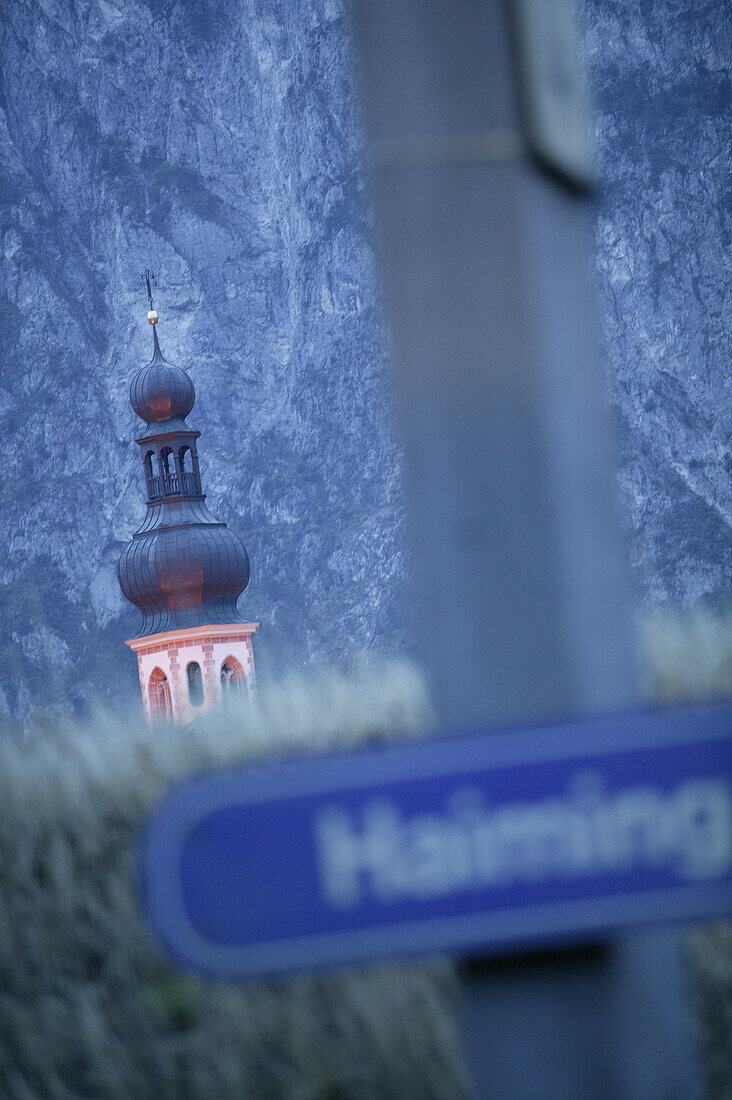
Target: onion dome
pixel 185 576
pixel 161 391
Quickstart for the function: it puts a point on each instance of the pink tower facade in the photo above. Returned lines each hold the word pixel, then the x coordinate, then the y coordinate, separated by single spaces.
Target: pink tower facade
pixel 183 569
pixel 184 672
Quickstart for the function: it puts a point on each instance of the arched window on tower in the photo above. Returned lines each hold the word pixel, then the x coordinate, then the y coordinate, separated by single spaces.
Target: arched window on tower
pixel 187 473
pixel 158 693
pixel 195 683
pixel 232 676
pixel 170 478
pixel 153 482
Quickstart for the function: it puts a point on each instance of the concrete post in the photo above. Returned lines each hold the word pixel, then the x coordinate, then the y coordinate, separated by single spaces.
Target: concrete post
pixel 476 131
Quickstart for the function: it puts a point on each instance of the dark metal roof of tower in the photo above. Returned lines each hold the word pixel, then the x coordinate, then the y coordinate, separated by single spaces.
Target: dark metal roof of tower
pixel 160 390
pixel 182 568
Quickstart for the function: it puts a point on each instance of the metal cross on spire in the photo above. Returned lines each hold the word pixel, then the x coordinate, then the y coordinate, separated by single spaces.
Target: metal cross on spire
pixel 148 279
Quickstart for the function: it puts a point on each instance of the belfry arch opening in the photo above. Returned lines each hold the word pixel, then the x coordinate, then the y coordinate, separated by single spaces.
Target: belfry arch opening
pixel 232 675
pixel 188 469
pixel 167 461
pixel 158 693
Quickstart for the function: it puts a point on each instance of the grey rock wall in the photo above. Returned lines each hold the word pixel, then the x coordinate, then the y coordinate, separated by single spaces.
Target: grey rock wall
pixel 218 143
pixel 661 72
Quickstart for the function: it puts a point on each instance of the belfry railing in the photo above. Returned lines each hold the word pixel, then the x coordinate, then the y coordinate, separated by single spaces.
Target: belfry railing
pixel 170 485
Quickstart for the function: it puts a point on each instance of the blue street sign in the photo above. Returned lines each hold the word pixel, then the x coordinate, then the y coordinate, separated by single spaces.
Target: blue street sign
pixel 457 844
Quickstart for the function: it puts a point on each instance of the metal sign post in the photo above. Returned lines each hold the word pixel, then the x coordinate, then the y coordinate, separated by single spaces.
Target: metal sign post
pixel 478 134
pixel 480 168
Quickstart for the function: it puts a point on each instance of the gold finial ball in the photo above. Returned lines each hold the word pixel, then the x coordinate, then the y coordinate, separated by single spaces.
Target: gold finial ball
pixel 153 317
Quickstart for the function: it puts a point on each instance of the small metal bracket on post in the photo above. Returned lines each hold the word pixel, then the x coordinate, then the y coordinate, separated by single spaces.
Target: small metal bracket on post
pixel 552 90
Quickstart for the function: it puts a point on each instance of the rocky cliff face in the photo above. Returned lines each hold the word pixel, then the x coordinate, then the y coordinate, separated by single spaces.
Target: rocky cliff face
pixel 217 142
pixel 662 87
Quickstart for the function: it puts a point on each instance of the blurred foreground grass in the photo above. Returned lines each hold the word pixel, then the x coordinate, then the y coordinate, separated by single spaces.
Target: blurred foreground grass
pixel 687 657
pixel 88 1005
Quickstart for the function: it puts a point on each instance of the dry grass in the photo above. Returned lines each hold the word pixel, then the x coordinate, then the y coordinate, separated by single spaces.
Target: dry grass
pixel 687 656
pixel 690 657
pixel 88 1005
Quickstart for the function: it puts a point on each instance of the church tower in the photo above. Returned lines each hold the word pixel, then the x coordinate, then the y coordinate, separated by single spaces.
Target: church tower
pixel 183 569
